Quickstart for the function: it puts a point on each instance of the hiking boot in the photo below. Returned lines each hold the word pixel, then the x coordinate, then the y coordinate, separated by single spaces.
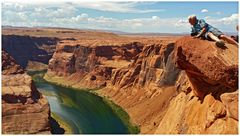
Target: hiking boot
pixel 220 44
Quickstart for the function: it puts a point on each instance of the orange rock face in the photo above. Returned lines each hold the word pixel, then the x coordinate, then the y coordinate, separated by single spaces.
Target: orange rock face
pixel 9 65
pixel 29 48
pixel 146 86
pixel 24 109
pixel 90 67
pixel 208 98
pixel 183 87
pixel 190 89
pixel 203 59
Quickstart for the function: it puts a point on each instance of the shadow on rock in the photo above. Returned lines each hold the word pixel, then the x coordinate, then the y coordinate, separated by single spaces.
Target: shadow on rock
pixel 55 127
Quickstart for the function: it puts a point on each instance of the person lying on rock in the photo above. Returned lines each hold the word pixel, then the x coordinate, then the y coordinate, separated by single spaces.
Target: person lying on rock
pixel 201 29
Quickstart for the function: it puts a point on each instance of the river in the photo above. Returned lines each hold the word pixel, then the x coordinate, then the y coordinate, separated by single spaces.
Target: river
pixel 84 112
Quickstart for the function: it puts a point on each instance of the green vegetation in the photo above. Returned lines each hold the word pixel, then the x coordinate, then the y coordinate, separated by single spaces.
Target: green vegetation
pixel 61 81
pixel 123 115
pixel 62 123
pixel 37 75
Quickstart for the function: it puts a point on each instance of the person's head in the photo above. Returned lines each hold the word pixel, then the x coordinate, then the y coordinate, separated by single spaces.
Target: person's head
pixel 192 19
pixel 237 28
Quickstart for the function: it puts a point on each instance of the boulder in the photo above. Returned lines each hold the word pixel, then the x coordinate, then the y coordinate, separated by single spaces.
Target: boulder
pixel 204 58
pixel 207 65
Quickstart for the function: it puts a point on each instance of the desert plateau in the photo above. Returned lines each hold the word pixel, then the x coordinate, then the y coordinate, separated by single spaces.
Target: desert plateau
pixel 79 67
pixel 143 84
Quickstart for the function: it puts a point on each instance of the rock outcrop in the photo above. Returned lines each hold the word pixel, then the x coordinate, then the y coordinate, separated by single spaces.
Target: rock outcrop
pixel 89 67
pixel 189 87
pixel 183 87
pixel 207 65
pixel 9 65
pixel 24 109
pixel 152 67
pixel 146 86
pixel 207 102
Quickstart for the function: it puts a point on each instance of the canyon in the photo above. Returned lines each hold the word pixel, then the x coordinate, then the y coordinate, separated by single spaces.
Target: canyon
pixel 167 85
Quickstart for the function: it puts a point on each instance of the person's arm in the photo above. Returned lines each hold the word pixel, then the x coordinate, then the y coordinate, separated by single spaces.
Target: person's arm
pixel 204 27
pixel 193 32
pixel 204 30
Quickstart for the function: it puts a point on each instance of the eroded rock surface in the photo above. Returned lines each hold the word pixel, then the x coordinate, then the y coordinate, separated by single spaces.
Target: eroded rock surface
pixel 89 67
pixel 208 65
pixel 207 102
pixel 9 65
pixel 24 48
pixel 146 86
pixel 189 87
pixel 183 87
pixel 24 109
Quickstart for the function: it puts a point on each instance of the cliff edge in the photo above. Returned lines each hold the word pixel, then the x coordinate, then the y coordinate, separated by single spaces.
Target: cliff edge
pixel 188 86
pixel 207 102
pixel 24 109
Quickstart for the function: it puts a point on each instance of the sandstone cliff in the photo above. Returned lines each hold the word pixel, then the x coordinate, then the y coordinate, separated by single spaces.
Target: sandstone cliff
pixel 188 86
pixel 24 109
pixel 207 102
pixel 89 67
pixel 191 89
pixel 145 88
pixel 25 48
pixel 9 65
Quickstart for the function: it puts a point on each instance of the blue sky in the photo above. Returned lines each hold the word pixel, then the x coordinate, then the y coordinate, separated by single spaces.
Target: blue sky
pixel 133 16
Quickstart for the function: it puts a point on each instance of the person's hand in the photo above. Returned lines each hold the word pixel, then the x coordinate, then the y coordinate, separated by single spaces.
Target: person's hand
pixel 197 36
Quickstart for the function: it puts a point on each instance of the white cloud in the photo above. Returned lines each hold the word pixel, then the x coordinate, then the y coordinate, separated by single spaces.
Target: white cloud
pixel 218 13
pixel 69 16
pixel 225 24
pixel 122 7
pixel 231 19
pixel 79 18
pixel 207 17
pixel 204 10
pixel 155 18
pixel 182 22
pixel 62 12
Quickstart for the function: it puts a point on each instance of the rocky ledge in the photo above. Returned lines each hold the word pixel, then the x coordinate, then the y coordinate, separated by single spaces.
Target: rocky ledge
pixel 24 109
pixel 186 87
pixel 183 87
pixel 207 100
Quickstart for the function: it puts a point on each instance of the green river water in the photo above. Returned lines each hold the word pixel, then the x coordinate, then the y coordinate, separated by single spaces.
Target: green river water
pixel 84 112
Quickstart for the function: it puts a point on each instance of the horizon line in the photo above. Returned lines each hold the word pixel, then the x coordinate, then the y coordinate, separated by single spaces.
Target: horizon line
pixel 105 30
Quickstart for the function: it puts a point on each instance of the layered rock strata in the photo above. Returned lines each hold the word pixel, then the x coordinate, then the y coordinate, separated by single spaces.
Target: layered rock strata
pixel 89 67
pixel 29 48
pixel 193 92
pixel 183 87
pixel 24 109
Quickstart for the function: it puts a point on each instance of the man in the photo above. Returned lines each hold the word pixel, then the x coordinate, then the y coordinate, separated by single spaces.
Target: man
pixel 201 29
